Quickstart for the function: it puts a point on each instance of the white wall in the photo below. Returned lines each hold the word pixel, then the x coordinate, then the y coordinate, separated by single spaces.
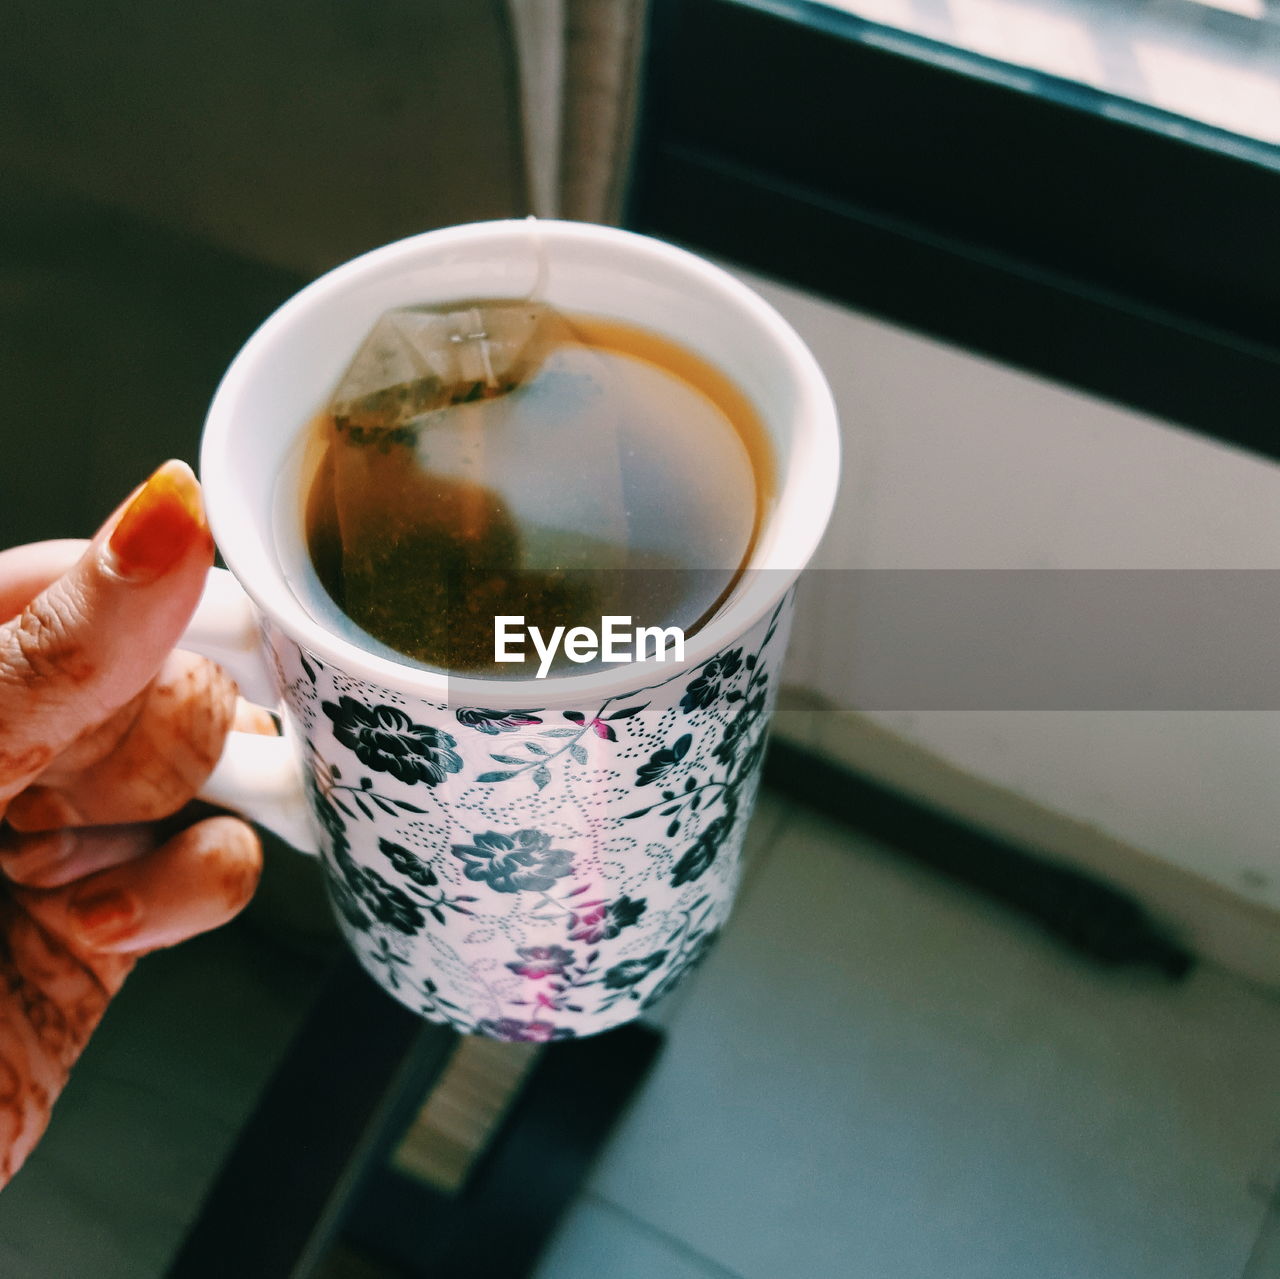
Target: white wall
pixel 953 461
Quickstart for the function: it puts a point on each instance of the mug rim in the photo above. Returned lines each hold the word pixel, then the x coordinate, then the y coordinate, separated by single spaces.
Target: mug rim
pixel 803 507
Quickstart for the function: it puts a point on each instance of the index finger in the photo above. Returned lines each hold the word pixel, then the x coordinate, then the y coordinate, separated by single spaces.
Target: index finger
pixel 94 638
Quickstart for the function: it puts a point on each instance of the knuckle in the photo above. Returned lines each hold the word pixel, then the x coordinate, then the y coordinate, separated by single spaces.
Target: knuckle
pixel 26 762
pixel 170 748
pixel 34 861
pixel 239 856
pixel 43 644
pixel 159 792
pixel 96 741
pixel 42 808
pixel 36 876
pixel 222 860
pixel 203 716
pixel 190 713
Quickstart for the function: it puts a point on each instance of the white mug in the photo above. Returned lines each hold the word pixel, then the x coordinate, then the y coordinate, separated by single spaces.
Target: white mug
pixel 525 859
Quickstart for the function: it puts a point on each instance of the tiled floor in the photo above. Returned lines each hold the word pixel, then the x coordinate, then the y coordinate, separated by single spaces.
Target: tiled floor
pixel 878 1075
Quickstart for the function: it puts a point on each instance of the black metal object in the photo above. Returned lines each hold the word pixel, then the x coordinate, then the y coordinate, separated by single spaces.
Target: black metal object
pixel 311 1164
pixel 498 1225
pixel 353 1077
pixel 1013 214
pixel 1093 919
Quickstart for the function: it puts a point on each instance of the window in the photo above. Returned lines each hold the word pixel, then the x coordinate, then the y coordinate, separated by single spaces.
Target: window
pixel 1046 222
pixel 1211 62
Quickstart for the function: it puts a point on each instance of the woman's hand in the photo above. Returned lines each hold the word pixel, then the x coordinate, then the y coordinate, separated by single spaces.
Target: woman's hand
pixel 105 730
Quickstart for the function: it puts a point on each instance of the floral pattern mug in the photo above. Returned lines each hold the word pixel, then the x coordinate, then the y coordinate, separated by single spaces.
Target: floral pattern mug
pixel 524 859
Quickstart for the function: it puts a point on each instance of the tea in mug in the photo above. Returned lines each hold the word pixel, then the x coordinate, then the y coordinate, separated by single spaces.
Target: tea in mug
pixel 506 459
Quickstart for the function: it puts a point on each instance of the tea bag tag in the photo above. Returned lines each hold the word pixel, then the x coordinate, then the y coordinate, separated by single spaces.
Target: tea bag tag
pixel 416 360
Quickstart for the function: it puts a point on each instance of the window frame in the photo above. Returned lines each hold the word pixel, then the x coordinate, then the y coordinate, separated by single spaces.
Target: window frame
pixel 1105 245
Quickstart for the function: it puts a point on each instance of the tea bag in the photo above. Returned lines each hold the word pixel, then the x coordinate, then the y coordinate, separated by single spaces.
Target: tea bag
pixel 416 359
pixel 469 480
pixel 504 459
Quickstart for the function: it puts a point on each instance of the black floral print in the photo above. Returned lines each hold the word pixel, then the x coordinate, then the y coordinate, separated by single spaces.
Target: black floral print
pixel 696 954
pixel 357 890
pixel 347 904
pixel 435 1006
pixel 632 971
pixel 390 961
pixel 329 818
pixel 738 728
pixel 537 962
pixel 384 901
pixel 385 739
pixel 494 722
pixel 697 760
pixel 597 922
pixel 663 760
pixel 522 1032
pixel 705 687
pixel 407 864
pixel 524 861
pixel 697 861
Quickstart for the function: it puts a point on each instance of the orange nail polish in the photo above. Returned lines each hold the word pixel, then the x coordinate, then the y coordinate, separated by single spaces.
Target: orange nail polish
pixel 104 917
pixel 161 524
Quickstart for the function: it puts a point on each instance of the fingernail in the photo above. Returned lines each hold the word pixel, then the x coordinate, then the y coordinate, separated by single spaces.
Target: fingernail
pixel 104 917
pixel 42 808
pixel 159 526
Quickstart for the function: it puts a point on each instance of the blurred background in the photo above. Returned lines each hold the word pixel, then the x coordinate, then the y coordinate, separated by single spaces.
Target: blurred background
pixel 1001 995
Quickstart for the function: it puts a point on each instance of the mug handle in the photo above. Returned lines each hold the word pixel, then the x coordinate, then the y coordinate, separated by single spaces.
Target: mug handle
pixel 259 777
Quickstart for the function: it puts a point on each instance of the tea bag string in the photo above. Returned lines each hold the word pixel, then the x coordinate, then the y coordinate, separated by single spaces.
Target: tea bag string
pixel 470 418
pixel 481 337
pixel 537 290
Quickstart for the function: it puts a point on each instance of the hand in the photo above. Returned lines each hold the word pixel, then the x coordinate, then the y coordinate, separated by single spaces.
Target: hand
pixel 105 730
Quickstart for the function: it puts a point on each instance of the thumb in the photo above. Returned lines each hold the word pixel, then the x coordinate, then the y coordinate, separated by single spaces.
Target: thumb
pixel 93 639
